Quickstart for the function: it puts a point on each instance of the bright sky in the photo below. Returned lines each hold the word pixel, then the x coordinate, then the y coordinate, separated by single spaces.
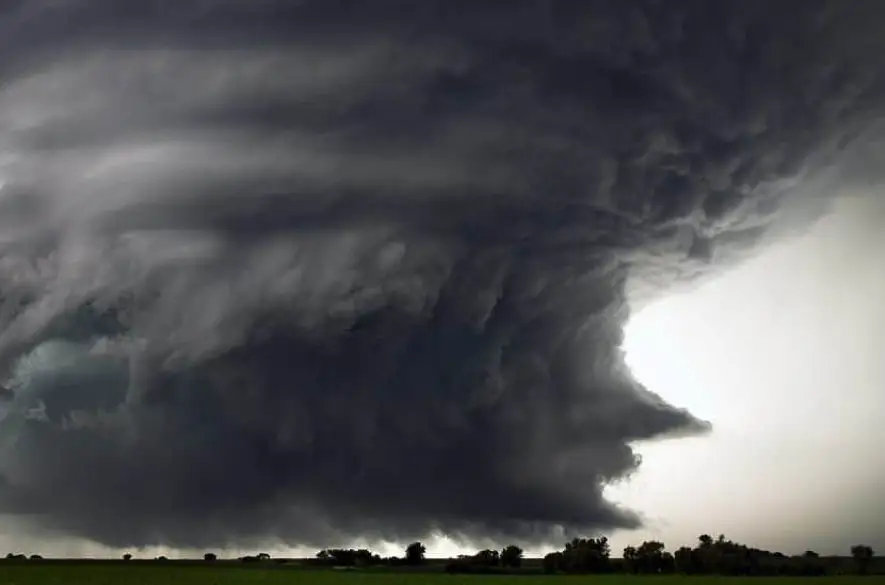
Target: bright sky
pixel 783 355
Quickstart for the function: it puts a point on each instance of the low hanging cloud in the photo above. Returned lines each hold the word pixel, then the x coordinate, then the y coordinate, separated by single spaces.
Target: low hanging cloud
pixel 321 270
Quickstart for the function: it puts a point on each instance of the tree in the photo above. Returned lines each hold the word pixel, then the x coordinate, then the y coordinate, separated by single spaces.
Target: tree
pixel 511 556
pixel 808 564
pixel 210 557
pixel 415 553
pixel 552 562
pixel 685 560
pixel 630 559
pixel 337 557
pixel 127 557
pixel 649 557
pixel 667 563
pixel 486 558
pixel 586 555
pixel 863 555
pixel 365 558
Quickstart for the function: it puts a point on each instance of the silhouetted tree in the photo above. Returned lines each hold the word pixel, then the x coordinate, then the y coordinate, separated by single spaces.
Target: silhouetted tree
pixel 127 557
pixel 36 558
pixel 348 557
pixel 486 558
pixel 862 555
pixel 710 556
pixel 162 558
pixel 210 557
pixel 586 555
pixel 630 560
pixel 668 563
pixel 365 558
pixel 511 556
pixel 552 562
pixel 684 557
pixel 649 557
pixel 415 553
pixel 262 556
pixel 808 564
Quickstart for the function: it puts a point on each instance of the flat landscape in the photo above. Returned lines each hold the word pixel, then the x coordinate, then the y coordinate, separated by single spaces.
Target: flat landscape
pixel 144 574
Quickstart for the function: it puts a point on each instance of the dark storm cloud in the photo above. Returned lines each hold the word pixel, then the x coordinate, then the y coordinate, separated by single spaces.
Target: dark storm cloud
pixel 318 270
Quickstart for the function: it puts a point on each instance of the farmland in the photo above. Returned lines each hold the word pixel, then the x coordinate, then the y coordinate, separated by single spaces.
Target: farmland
pixel 109 573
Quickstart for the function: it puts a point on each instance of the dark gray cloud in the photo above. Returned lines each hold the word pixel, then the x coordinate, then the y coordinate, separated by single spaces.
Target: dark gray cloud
pixel 317 270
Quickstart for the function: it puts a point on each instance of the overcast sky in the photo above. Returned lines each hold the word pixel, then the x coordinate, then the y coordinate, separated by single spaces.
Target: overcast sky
pixel 273 277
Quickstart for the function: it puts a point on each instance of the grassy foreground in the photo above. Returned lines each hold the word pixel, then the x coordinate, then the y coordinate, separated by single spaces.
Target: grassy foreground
pixel 141 574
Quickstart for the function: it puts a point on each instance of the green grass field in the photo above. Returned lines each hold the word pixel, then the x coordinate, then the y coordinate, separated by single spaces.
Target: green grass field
pixel 139 574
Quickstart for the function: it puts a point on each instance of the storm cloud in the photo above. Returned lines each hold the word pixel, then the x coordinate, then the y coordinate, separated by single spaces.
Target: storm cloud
pixel 321 270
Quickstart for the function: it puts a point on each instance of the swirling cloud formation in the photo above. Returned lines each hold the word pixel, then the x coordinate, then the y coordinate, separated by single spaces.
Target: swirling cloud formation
pixel 324 269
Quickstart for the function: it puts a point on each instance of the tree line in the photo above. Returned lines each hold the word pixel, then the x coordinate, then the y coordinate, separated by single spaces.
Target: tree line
pixel 593 555
pixel 347 557
pixel 415 556
pixel 710 556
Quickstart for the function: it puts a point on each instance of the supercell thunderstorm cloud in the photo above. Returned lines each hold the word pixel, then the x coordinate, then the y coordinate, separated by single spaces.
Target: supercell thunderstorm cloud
pixel 330 269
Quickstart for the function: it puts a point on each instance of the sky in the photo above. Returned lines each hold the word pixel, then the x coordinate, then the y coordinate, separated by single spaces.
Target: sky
pixel 472 273
pixel 781 354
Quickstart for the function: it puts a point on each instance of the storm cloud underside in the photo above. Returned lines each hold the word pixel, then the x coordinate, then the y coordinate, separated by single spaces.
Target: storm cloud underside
pixel 320 270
